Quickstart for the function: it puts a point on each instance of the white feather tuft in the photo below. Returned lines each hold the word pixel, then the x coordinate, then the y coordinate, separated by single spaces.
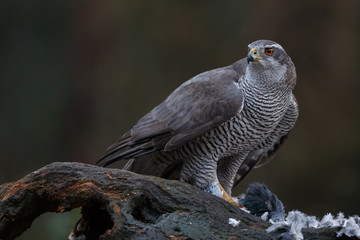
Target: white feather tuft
pixel 233 222
pixel 265 216
pixel 295 221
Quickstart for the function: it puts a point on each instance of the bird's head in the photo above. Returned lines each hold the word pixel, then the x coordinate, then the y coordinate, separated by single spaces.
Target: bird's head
pixel 268 60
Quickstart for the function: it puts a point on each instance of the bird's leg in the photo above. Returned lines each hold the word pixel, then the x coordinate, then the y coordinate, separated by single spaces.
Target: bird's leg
pixel 216 189
pixel 250 161
pixel 204 177
pixel 227 168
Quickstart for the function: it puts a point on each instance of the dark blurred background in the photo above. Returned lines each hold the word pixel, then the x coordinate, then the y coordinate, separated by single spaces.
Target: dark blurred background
pixel 75 75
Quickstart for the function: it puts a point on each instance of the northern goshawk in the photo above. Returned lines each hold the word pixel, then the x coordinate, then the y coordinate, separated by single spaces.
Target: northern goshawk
pixel 214 128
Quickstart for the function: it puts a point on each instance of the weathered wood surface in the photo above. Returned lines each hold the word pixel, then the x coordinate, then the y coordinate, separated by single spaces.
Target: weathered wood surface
pixel 118 204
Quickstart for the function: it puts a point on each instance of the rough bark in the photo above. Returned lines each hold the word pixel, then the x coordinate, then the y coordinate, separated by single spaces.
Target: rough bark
pixel 118 204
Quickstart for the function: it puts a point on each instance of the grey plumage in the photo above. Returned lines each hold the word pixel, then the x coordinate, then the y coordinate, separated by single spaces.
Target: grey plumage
pixel 218 125
pixel 259 200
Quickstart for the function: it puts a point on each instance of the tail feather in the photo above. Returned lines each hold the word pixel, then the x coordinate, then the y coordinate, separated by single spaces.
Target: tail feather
pixel 126 148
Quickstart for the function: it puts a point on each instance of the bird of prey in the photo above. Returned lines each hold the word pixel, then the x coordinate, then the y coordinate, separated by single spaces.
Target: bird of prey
pixel 214 128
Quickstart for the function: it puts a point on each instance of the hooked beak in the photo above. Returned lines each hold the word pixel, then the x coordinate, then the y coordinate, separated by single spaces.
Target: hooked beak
pixel 253 56
pixel 249 58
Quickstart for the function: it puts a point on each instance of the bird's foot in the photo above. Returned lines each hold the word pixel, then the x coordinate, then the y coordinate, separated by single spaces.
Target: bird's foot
pixel 216 189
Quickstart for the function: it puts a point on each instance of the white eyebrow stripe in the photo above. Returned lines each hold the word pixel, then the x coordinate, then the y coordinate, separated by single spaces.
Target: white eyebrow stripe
pixel 274 45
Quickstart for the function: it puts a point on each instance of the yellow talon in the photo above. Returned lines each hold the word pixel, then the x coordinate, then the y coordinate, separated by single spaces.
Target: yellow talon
pixel 227 197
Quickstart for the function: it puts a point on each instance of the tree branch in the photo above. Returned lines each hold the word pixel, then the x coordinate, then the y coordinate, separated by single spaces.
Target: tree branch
pixel 117 204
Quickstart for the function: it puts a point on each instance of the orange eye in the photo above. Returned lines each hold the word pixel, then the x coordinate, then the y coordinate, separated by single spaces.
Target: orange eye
pixel 269 51
pixel 248 50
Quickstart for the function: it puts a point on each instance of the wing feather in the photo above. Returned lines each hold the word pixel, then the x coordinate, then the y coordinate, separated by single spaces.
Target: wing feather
pixel 197 106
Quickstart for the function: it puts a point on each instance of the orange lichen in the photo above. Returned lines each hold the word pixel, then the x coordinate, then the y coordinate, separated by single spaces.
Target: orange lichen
pixel 12 190
pixel 176 237
pixel 82 185
pixel 108 174
pixel 122 179
pixel 61 209
pixel 117 208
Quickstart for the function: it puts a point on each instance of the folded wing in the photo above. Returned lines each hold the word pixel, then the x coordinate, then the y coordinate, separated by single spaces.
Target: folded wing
pixel 197 106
